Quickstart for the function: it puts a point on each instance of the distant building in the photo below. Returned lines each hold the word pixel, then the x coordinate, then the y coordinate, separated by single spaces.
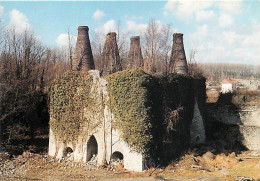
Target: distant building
pixel 228 85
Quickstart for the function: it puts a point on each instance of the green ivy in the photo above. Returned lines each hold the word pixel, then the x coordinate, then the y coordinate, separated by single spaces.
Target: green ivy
pixel 69 101
pixel 153 114
pixel 128 102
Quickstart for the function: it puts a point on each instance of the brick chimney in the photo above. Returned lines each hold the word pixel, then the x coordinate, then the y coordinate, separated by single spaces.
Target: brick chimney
pixel 83 58
pixel 111 61
pixel 178 62
pixel 135 58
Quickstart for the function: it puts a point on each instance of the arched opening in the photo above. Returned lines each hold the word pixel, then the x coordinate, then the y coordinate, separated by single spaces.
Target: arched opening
pixel 117 156
pixel 92 148
pixel 67 152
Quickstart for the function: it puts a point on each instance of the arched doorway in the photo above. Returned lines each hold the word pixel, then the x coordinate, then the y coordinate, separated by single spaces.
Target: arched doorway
pixel 117 156
pixel 92 148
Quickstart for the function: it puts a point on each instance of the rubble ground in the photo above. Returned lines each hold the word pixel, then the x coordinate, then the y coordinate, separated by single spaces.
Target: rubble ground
pixel 32 166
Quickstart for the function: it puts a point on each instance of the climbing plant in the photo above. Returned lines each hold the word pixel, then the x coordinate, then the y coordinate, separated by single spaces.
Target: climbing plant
pixel 152 113
pixel 128 101
pixel 74 104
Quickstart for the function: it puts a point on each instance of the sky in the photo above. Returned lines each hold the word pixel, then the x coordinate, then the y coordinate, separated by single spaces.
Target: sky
pixel 219 31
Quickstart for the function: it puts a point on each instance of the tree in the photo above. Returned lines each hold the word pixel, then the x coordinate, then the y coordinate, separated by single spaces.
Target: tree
pixel 165 46
pixel 70 49
pixel 26 70
pixel 157 46
pixel 123 44
pixel 21 77
pixel 193 67
pixel 151 45
pixel 97 45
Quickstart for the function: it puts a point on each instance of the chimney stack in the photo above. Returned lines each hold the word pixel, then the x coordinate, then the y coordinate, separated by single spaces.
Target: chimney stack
pixel 83 57
pixel 178 62
pixel 135 58
pixel 111 62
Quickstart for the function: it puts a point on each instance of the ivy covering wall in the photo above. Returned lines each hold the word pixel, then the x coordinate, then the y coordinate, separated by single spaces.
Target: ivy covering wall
pixel 152 114
pixel 129 102
pixel 73 105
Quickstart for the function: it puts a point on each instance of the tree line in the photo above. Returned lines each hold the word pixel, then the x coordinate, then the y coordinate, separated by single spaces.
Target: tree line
pixel 215 72
pixel 27 68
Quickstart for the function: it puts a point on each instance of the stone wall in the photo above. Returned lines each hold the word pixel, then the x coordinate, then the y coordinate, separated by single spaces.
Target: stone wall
pixel 246 117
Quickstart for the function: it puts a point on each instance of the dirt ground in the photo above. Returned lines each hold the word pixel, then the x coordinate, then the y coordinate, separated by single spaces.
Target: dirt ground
pixel 208 166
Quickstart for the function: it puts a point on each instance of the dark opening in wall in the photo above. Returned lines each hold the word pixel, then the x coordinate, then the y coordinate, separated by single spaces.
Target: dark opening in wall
pixel 67 152
pixel 92 148
pixel 197 138
pixel 117 156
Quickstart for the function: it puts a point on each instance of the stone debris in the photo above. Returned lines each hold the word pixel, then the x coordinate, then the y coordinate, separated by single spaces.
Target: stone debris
pixel 244 179
pixel 116 165
pixel 20 165
pixel 93 160
pixel 207 162
pixel 117 162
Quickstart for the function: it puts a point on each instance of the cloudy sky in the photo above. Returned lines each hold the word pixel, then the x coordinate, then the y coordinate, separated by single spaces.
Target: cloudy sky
pixel 220 31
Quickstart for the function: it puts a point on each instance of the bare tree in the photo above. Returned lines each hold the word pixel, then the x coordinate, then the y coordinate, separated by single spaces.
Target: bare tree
pixel 21 77
pixel 215 72
pixel 122 43
pixel 70 49
pixel 1 34
pixel 194 68
pixel 157 47
pixel 97 47
pixel 151 45
pixel 165 46
pixel 26 69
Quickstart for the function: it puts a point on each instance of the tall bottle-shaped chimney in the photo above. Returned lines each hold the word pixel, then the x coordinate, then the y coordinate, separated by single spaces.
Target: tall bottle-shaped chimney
pixel 135 58
pixel 111 62
pixel 178 62
pixel 83 57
